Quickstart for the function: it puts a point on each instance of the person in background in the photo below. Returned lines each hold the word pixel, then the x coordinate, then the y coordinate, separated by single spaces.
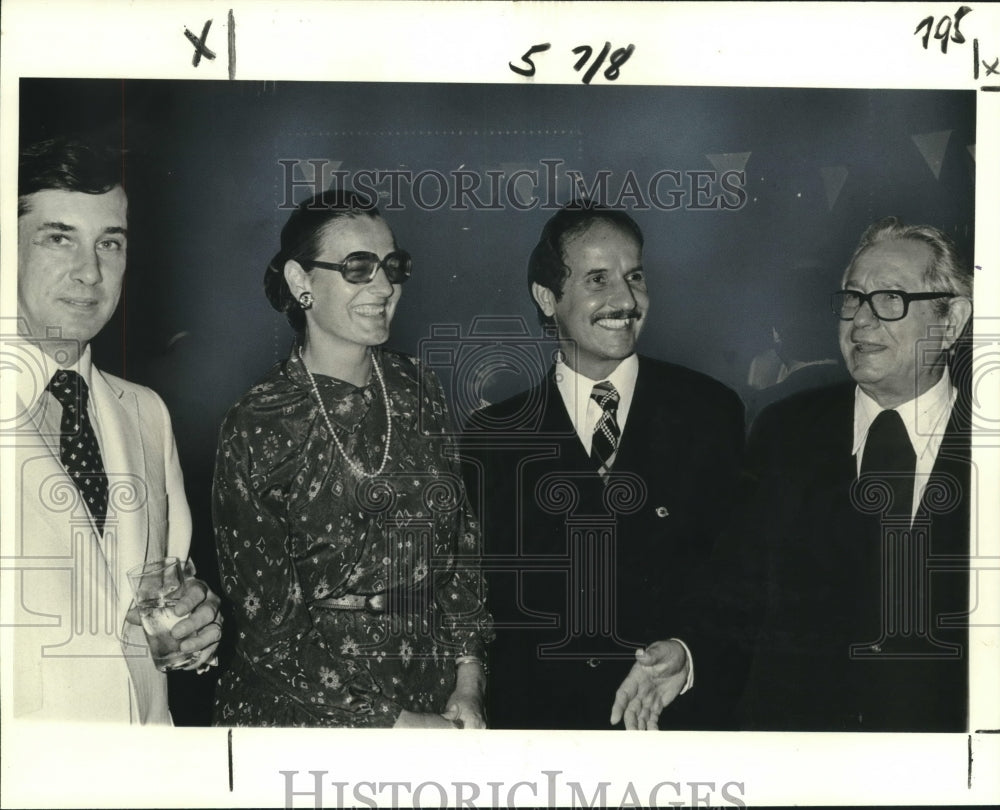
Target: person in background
pixel 803 354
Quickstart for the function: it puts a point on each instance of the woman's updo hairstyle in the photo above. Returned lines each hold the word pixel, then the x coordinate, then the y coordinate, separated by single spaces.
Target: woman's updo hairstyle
pixel 300 240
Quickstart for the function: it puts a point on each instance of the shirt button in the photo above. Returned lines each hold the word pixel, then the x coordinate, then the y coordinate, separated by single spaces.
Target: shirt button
pixel 661 511
pixel 593 663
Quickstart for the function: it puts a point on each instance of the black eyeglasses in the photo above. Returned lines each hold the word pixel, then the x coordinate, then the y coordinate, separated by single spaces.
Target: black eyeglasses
pixel 886 305
pixel 361 267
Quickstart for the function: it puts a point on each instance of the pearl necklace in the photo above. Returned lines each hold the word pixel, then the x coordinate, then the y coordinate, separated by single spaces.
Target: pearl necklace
pixel 357 468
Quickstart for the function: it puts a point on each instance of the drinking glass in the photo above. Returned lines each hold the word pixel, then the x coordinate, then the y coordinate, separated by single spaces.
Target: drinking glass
pixel 158 585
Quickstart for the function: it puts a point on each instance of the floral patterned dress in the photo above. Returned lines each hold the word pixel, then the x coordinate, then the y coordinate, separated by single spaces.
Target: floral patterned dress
pixel 294 525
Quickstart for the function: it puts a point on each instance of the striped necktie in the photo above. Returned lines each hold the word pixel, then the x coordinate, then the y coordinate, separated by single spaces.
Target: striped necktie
pixel 604 444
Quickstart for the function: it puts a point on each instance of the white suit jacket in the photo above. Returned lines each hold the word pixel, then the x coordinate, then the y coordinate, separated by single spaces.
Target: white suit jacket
pixel 75 657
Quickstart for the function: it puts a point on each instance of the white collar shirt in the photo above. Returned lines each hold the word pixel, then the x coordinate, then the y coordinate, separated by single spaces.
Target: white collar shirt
pixel 925 418
pixel 36 370
pixel 584 412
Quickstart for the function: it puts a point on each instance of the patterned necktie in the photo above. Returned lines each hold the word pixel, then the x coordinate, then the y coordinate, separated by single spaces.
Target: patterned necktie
pixel 78 448
pixel 604 444
pixel 889 457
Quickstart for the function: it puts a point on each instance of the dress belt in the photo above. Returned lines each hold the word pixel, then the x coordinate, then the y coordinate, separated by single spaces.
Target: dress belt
pixel 374 603
pixel 413 602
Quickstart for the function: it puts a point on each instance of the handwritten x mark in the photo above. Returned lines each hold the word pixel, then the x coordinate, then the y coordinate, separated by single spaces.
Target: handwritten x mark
pixel 200 49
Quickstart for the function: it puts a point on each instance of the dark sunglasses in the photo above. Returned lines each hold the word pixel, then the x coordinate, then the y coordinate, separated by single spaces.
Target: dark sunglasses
pixel 361 267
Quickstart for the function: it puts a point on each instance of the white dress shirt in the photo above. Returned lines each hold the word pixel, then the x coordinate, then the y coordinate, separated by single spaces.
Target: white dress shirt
pixel 925 418
pixel 32 390
pixel 584 412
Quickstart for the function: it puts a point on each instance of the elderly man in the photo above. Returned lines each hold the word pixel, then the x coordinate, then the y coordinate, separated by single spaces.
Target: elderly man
pixel 100 487
pixel 601 490
pixel 855 544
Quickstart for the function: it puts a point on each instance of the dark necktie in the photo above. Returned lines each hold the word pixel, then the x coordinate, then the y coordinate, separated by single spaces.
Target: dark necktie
pixel 889 457
pixel 604 444
pixel 78 448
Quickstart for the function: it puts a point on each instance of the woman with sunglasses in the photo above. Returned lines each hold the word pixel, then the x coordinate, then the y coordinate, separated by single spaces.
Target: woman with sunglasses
pixel 346 545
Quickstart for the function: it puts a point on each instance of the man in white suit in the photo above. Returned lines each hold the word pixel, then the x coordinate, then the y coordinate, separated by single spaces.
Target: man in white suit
pixel 79 652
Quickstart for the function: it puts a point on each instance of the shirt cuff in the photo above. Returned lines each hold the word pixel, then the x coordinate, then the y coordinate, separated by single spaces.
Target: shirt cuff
pixel 690 678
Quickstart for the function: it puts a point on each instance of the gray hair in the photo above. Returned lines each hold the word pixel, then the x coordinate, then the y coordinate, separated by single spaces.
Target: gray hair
pixel 947 271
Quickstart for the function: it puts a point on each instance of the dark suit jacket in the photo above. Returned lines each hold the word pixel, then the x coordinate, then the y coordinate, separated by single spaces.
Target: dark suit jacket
pixel 582 573
pixel 843 645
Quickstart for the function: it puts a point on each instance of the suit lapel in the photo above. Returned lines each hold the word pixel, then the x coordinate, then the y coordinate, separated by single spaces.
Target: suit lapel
pixel 43 423
pixel 128 480
pixel 946 495
pixel 652 420
pixel 836 466
pixel 840 437
pixel 131 485
pixel 557 424
pixel 47 429
pixel 638 415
